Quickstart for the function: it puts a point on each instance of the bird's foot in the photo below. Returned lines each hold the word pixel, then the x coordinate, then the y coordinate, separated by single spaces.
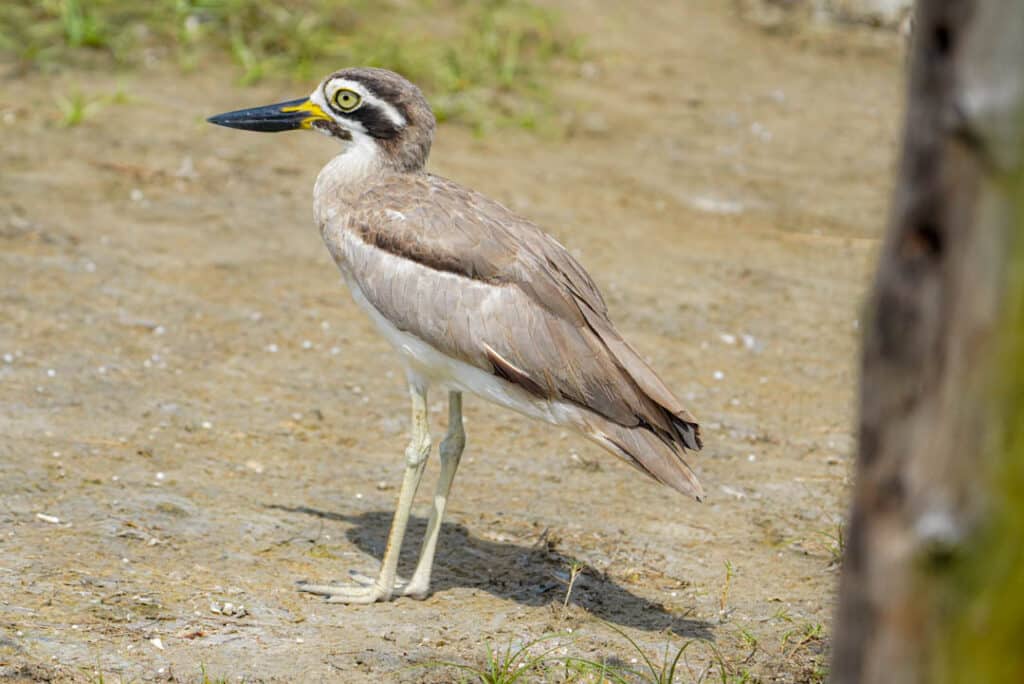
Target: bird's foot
pixel 366 590
pixel 341 593
pixel 415 588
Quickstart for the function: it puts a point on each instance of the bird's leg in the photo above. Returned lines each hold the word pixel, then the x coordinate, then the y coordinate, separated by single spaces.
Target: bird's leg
pixel 415 460
pixel 451 451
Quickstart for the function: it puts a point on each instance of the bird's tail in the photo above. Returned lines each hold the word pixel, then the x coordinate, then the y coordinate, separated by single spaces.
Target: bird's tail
pixel 647 452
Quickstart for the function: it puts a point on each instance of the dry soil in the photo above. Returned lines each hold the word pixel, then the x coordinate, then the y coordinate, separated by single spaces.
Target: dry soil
pixel 194 414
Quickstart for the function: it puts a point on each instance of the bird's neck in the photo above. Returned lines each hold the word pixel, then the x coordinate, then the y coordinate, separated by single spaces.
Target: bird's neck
pixel 340 183
pixel 345 176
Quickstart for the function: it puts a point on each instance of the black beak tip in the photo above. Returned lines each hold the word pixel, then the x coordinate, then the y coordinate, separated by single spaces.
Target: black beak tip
pixel 219 120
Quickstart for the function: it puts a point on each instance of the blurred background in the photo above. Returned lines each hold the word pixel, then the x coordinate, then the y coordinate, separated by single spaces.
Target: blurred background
pixel 193 414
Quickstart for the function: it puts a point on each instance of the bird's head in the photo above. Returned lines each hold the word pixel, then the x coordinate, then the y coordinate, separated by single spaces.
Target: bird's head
pixel 373 112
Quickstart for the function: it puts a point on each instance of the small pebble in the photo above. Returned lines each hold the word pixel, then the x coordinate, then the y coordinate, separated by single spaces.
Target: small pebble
pixel 187 168
pixel 50 372
pixel 8 358
pixel 306 344
pixel 760 131
pixel 160 476
pixel 335 351
pixel 719 375
pixel 732 491
pixel 48 518
pixel 727 338
pixel 207 425
pixel 136 195
pixel 272 348
pixel 751 457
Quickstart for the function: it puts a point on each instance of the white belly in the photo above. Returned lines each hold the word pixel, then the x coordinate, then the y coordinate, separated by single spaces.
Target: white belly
pixel 426 364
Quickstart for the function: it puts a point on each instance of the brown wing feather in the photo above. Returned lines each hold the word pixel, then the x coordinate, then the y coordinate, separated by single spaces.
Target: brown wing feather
pixel 552 335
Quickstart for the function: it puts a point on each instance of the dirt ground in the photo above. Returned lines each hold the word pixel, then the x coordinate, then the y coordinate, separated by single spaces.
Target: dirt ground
pixel 193 413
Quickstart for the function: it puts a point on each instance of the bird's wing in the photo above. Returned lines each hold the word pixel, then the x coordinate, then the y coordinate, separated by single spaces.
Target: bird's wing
pixel 487 287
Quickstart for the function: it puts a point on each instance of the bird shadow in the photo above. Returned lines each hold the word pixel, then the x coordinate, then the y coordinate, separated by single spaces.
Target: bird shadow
pixel 532 575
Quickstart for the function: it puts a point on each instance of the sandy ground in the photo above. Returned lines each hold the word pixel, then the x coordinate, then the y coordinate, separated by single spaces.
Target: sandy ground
pixel 194 413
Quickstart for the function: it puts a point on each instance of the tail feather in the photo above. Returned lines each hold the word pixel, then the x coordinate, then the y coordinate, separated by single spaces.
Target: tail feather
pixel 665 429
pixel 689 432
pixel 652 455
pixel 647 380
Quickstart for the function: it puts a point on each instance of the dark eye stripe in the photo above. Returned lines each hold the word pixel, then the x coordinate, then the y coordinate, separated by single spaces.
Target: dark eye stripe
pixel 375 121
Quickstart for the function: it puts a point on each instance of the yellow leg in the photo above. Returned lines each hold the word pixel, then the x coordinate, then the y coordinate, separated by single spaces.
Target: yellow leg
pixel 451 451
pixel 415 459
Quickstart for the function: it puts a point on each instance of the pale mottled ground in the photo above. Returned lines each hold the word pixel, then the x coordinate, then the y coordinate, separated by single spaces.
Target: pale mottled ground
pixel 193 395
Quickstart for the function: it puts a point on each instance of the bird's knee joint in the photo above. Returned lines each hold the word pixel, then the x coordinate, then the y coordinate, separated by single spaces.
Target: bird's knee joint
pixel 453 444
pixel 417 452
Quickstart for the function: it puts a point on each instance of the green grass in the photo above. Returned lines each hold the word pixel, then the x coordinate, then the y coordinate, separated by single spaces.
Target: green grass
pixel 796 639
pixel 663 673
pixel 670 666
pixel 207 680
pixel 506 666
pixel 204 678
pixel 76 107
pixel 835 544
pixel 483 63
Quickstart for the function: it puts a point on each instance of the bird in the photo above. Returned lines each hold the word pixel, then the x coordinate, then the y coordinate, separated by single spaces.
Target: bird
pixel 473 298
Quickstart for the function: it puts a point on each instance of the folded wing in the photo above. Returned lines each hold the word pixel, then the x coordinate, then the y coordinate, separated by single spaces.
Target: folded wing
pixel 509 299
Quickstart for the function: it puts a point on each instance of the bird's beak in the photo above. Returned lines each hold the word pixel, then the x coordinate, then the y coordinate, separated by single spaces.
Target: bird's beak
pixel 283 116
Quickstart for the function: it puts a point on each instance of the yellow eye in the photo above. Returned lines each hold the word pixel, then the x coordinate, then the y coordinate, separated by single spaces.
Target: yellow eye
pixel 347 100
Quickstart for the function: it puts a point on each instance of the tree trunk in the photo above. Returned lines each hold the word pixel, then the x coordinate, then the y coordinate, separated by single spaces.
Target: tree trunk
pixel 932 586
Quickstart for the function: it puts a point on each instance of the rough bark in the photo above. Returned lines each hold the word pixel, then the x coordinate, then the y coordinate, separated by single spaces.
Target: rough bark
pixel 933 412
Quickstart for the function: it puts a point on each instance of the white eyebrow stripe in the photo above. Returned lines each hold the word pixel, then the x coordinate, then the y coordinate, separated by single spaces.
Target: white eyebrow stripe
pixel 389 110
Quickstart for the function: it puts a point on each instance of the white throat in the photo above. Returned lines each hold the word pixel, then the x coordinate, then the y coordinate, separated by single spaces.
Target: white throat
pixel 346 174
